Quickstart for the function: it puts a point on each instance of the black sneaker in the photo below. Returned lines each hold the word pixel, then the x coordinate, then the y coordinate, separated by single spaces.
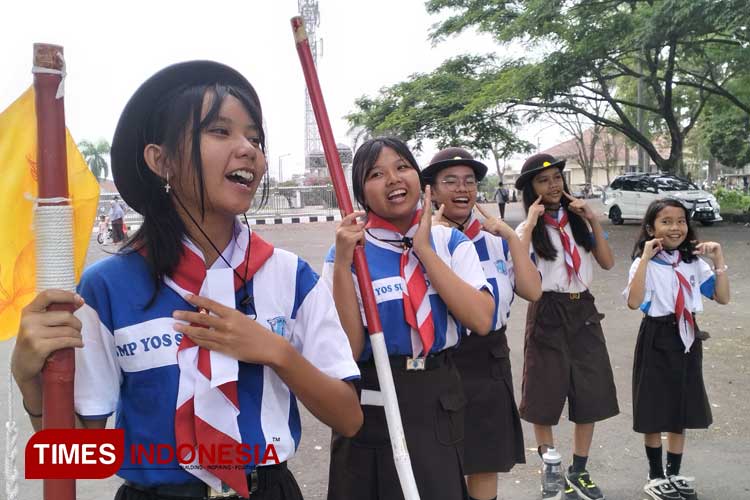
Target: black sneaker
pixel 583 485
pixel 570 493
pixel 682 485
pixel 661 489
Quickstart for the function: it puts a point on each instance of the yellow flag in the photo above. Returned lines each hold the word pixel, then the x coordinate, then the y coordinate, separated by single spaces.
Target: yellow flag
pixel 18 183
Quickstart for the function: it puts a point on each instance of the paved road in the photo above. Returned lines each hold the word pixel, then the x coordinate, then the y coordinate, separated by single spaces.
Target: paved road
pixel 718 457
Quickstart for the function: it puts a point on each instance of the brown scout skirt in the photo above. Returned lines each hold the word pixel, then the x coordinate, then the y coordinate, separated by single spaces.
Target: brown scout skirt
pixel 565 356
pixel 432 411
pixel 493 438
pixel 668 390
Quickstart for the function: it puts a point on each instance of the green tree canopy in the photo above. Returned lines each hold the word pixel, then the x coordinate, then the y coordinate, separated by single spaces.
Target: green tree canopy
pixel 440 106
pixel 584 51
pixel 94 156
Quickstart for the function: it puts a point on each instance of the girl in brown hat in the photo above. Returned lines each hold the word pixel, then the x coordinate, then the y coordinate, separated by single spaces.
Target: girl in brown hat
pixel 198 333
pixel 427 281
pixel 565 354
pixel 493 438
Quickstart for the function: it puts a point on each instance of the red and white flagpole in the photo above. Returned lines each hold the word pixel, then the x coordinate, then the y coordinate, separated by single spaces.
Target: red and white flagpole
pixel 53 227
pixel 379 350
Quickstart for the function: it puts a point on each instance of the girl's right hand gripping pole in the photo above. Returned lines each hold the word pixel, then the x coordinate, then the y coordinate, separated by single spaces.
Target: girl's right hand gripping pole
pixel 379 350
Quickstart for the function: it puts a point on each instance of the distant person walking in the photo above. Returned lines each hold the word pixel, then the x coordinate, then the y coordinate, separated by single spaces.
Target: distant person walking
pixel 502 197
pixel 116 216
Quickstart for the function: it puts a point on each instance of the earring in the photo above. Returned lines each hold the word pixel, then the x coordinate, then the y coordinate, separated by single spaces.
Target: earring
pixel 167 187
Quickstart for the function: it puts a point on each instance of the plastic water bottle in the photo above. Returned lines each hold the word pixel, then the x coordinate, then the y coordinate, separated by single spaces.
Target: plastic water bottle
pixel 553 482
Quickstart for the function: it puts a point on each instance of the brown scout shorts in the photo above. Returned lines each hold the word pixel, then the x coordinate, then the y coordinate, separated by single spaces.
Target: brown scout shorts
pixel 565 356
pixel 493 438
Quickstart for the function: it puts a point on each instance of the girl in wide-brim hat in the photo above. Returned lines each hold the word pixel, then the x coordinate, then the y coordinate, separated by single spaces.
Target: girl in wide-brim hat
pixel 200 334
pixel 565 353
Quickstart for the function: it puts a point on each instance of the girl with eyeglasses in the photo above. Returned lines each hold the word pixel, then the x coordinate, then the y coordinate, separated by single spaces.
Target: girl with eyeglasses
pixel 493 439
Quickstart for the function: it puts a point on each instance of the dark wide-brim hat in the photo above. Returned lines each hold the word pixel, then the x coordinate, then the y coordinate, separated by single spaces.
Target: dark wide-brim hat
pixel 135 181
pixel 450 157
pixel 535 164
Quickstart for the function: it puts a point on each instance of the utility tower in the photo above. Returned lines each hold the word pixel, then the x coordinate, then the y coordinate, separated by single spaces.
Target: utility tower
pixel 314 159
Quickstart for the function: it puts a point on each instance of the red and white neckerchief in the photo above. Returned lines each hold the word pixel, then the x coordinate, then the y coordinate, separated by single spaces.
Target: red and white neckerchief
pixel 570 249
pixel 684 317
pixel 472 228
pixel 207 401
pixel 417 309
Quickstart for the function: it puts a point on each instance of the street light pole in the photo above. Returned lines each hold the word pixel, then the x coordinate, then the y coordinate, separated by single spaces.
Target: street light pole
pixel 281 177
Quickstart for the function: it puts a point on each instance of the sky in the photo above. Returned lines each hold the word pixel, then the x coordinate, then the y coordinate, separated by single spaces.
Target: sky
pixel 112 47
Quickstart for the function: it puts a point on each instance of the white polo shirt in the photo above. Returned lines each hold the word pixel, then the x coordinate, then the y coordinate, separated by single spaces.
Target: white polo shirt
pixel 554 272
pixel 661 286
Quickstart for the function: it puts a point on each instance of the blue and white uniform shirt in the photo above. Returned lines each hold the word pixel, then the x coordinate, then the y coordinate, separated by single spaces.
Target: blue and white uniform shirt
pixel 661 285
pixel 554 273
pixel 129 360
pixel 384 261
pixel 494 254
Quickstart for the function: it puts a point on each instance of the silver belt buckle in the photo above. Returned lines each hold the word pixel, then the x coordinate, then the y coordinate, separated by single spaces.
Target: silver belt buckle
pixel 226 492
pixel 414 364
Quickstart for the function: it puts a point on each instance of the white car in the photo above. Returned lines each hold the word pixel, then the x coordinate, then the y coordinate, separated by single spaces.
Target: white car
pixel 628 197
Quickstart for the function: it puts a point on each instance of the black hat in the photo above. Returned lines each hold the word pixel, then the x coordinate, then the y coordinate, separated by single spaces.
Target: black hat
pixel 535 164
pixel 450 157
pixel 135 181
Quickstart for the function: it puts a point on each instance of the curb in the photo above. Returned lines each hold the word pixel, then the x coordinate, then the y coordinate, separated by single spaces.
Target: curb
pixel 294 220
pixel 265 221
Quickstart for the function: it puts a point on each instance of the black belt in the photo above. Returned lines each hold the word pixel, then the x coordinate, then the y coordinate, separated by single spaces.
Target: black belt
pixel 260 479
pixel 408 363
pixel 568 295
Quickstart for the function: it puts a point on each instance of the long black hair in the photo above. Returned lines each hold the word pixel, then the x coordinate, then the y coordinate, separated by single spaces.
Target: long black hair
pixel 539 236
pixel 366 156
pixel 175 124
pixel 686 248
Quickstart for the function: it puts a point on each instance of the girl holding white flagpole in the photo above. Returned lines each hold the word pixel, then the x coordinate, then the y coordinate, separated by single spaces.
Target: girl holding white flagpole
pixel 427 281
pixel 667 280
pixel 198 332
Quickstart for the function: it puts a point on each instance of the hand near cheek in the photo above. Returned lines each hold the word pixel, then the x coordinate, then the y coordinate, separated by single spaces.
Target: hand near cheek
pixel 710 249
pixel 421 240
pixel 579 207
pixel 651 248
pixel 495 225
pixel 536 210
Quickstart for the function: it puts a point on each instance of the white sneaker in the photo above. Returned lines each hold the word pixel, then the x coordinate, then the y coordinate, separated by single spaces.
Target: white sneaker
pixel 661 489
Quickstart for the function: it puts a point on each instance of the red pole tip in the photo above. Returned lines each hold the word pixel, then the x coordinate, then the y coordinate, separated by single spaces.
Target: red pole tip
pixel 298 27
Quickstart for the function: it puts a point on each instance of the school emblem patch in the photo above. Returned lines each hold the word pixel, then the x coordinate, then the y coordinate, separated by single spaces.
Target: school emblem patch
pixel 278 325
pixel 692 280
pixel 501 267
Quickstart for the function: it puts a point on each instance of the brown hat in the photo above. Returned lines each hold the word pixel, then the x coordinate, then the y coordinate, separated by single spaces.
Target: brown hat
pixel 535 164
pixel 450 157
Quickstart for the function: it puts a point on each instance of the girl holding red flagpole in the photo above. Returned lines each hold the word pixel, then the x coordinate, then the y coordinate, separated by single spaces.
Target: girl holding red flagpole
pixel 198 332
pixel 493 439
pixel 667 279
pixel 428 281
pixel 565 354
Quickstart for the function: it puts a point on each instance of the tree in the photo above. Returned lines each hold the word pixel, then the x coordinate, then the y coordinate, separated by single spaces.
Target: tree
pixel 591 50
pixel 585 133
pixel 438 106
pixel 94 156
